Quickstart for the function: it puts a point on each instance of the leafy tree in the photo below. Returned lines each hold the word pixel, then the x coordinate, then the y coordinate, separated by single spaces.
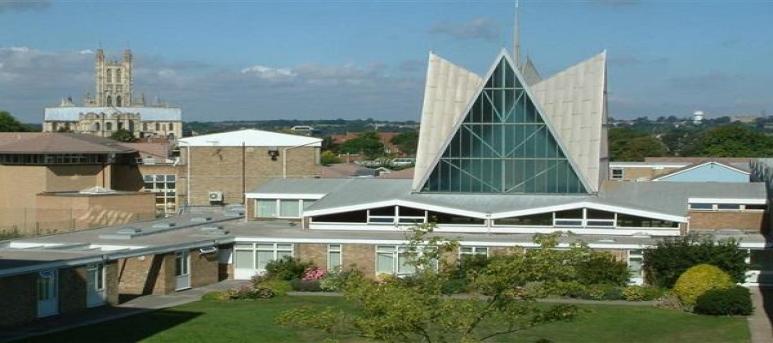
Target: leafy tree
pixel 416 309
pixel 630 145
pixel 122 135
pixel 673 256
pixel 407 142
pixel 9 124
pixel 366 143
pixel 733 140
pixel 328 157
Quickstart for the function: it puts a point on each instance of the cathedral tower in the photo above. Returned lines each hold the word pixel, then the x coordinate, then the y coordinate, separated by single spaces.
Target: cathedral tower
pixel 114 80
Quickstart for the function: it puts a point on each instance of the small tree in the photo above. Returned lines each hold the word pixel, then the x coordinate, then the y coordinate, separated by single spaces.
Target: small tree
pixel 401 310
pixel 122 135
pixel 673 256
pixel 9 124
pixel 328 157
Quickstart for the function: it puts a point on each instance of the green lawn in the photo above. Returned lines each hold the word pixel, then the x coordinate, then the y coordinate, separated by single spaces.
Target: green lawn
pixel 252 320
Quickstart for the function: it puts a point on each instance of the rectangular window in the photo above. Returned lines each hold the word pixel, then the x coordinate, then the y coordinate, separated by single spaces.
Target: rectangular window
pixel 289 209
pixel 701 206
pixel 617 173
pixel 385 259
pixel 404 265
pixel 540 219
pixel 266 208
pixel 635 262
pixel 755 207
pixel 333 256
pixel 729 206
pixel 243 259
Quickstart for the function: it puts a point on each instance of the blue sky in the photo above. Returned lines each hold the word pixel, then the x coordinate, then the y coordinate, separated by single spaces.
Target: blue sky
pixel 359 59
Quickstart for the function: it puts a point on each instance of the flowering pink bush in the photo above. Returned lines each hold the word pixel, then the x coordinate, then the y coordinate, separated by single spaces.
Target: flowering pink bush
pixel 313 273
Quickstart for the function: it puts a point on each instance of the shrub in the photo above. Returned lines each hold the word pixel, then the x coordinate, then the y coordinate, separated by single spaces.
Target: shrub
pixel 279 287
pixel 699 279
pixel 286 268
pixel 602 268
pixel 572 289
pixel 334 281
pixel 314 273
pixel 641 293
pixel 247 292
pixel 603 292
pixel 729 301
pixel 303 285
pixel 673 256
pixel 669 300
pixel 454 286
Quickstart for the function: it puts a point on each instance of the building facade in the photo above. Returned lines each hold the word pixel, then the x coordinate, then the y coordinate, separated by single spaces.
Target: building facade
pixel 114 107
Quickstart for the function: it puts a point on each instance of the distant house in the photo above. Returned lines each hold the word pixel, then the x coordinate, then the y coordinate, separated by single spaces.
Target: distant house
pixel 707 171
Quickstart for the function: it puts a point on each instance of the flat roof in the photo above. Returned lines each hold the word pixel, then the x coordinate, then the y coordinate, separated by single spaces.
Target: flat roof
pixel 58 143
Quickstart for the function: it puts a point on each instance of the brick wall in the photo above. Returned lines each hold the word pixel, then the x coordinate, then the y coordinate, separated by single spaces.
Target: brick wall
pixel 111 282
pixel 19 299
pixel 68 212
pixel 316 253
pixel 150 274
pixel 204 269
pixel 746 221
pixel 220 169
pixel 72 290
pixel 644 173
pixel 363 256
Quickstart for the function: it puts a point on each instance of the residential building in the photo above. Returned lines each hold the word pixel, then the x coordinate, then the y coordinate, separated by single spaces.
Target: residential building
pixel 696 169
pixel 114 107
pixel 218 168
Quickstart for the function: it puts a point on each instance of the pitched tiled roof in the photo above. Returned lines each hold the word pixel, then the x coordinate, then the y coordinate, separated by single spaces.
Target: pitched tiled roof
pixel 58 143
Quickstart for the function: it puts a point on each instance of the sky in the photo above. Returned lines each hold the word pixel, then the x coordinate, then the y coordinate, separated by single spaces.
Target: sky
pixel 257 60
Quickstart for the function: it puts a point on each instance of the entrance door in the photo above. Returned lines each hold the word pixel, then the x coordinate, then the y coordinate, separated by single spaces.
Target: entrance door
pixel 48 299
pixel 95 285
pixel 182 270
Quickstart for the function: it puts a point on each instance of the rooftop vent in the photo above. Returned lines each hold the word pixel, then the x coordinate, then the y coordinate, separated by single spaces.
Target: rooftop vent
pixel 200 219
pixel 208 250
pixel 129 230
pixel 97 190
pixel 164 225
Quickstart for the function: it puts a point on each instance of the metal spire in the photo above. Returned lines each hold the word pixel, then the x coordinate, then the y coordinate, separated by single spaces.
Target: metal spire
pixel 517 36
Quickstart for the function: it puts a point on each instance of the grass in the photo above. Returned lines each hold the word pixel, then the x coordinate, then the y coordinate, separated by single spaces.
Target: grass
pixel 253 320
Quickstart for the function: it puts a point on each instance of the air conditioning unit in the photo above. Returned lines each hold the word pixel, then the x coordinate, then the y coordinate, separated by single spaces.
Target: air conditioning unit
pixel 215 196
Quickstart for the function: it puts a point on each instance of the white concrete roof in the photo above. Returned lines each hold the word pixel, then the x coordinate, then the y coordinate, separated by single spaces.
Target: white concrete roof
pixel 575 102
pixel 146 113
pixel 448 91
pixel 252 138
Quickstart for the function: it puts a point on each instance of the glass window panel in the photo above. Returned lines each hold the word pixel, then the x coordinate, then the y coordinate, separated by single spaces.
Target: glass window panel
pixel 266 208
pixel 701 206
pixel 385 263
pixel 289 208
pixel 282 254
pixel 345 217
pixel 729 206
pixel 265 247
pixel 756 207
pixel 383 211
pixel 576 213
pixel 540 219
pixel 284 247
pixel 596 214
pixel 243 259
pixel 262 258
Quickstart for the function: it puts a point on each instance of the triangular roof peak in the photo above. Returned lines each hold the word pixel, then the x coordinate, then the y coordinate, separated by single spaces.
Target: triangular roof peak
pixel 504 127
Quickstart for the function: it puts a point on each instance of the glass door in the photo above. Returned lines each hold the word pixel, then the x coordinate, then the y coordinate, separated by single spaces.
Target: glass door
pixel 48 299
pixel 95 285
pixel 182 270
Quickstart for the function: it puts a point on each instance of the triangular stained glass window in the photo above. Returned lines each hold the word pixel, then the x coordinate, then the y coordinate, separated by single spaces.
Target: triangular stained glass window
pixel 503 146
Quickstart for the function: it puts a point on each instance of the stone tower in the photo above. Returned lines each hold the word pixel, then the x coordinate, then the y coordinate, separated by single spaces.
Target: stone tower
pixel 114 80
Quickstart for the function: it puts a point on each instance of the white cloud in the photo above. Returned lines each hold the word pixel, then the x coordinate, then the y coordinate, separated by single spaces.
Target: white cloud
pixel 86 52
pixel 268 73
pixel 477 28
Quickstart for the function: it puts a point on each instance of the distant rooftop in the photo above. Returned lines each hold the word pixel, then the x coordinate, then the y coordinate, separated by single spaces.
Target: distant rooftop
pixel 58 143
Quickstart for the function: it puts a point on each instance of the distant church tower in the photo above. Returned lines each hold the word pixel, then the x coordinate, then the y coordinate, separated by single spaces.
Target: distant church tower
pixel 114 80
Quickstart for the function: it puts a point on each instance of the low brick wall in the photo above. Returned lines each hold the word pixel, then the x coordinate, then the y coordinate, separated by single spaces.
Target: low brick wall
pixel 363 256
pixel 150 274
pixel 204 269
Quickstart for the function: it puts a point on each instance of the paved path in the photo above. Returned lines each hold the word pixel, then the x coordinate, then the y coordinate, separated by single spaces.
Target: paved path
pixel 107 313
pixel 759 322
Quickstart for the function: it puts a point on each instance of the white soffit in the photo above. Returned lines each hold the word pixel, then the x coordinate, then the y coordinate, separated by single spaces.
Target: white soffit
pixel 575 102
pixel 251 138
pixel 449 89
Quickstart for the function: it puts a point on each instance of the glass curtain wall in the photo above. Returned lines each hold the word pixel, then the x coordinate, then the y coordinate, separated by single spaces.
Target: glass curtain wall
pixel 503 146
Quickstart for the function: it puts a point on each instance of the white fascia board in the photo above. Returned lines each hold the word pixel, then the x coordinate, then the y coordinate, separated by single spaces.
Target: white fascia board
pixel 746 201
pixel 311 196
pixel 669 175
pixel 619 231
pixel 394 202
pixel 591 205
pixel 647 165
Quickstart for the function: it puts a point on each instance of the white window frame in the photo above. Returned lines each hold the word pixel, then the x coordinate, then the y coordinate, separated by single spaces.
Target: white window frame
pixel 398 252
pixel 278 208
pixel 99 275
pixel 335 248
pixel 715 207
pixel 636 254
pixel 474 251
pixel 396 219
pixel 254 249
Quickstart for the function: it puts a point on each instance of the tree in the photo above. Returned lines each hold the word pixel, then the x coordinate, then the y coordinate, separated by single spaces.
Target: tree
pixel 9 124
pixel 366 143
pixel 630 145
pixel 122 135
pixel 416 309
pixel 734 140
pixel 407 142
pixel 328 157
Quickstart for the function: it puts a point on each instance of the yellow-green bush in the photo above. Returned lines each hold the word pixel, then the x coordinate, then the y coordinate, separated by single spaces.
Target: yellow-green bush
pixel 698 280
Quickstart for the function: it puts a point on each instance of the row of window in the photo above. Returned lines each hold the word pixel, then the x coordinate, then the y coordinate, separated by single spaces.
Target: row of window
pixel 281 208
pixel 583 217
pixel 53 158
pixel 164 187
pixel 726 207
pixel 109 126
